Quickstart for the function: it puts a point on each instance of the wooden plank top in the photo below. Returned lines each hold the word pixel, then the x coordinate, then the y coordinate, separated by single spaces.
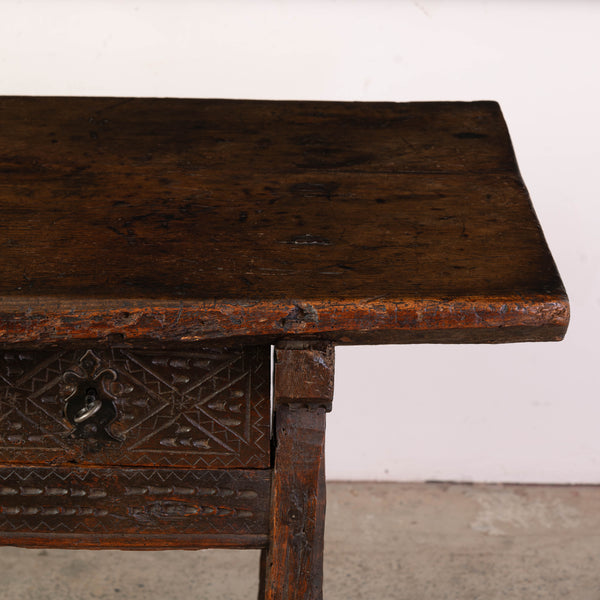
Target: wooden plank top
pixel 195 220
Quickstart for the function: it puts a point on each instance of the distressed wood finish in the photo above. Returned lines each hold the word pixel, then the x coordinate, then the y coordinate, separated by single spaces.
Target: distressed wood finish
pixel 292 567
pixel 133 508
pixel 145 242
pixel 304 374
pixel 201 408
pixel 188 220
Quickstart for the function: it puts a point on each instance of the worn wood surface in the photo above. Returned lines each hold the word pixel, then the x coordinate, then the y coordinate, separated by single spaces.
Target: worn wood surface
pixel 133 507
pixel 292 564
pixel 293 567
pixel 200 408
pixel 187 220
pixel 304 375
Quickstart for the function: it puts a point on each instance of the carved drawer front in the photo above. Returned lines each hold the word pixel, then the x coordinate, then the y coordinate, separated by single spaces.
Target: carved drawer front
pixel 103 406
pixel 133 507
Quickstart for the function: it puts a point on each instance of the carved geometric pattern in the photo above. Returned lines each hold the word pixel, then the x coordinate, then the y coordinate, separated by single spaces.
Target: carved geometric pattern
pixel 207 408
pixel 178 501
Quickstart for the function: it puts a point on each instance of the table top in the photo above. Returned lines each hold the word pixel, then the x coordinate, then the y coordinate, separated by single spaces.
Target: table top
pixel 176 220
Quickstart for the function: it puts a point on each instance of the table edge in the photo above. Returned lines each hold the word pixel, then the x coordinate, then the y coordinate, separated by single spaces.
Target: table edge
pixel 40 321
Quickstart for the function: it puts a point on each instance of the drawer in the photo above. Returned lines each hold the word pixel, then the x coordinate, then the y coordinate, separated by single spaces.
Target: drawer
pixel 131 407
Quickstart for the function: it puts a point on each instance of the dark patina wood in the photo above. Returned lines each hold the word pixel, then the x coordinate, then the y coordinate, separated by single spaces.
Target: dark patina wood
pixel 293 564
pixel 200 408
pixel 152 249
pixel 190 220
pixel 133 508
pixel 304 373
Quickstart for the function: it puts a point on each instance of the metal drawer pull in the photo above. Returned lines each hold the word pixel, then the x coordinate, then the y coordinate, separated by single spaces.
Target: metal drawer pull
pixel 92 406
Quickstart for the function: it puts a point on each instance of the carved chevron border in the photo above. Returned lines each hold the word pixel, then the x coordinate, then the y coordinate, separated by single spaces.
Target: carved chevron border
pixel 181 501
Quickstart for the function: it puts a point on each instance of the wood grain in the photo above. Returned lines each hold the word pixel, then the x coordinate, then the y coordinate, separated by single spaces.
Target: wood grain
pixel 304 374
pixel 188 220
pixel 292 564
pixel 294 559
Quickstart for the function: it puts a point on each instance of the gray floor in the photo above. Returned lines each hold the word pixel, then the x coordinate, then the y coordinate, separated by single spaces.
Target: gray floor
pixel 383 541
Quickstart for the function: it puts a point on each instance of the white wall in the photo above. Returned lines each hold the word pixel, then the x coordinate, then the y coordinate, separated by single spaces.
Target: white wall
pixel 525 412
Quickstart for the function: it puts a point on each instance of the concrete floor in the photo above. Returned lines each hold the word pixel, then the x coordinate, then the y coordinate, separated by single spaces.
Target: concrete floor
pixel 384 541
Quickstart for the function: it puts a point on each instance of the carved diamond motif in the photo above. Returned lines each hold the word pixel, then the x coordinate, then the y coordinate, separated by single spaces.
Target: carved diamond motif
pixel 202 408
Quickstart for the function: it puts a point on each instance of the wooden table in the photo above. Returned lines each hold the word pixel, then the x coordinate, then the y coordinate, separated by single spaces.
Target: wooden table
pixel 153 251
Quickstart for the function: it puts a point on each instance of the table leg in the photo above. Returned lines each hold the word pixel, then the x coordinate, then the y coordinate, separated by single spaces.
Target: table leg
pixel 292 566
